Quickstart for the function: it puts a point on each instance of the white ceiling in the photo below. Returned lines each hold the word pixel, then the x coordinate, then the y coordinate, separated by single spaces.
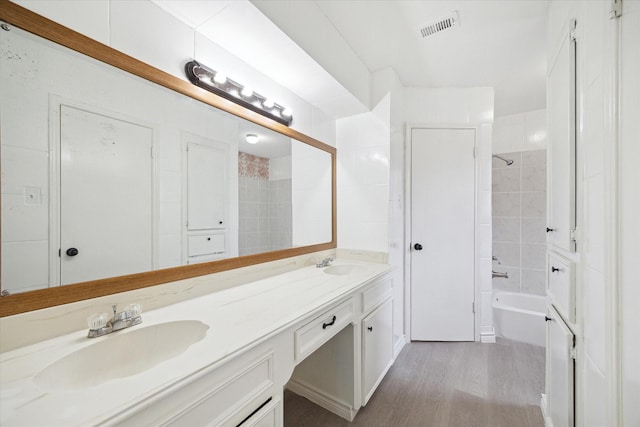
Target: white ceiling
pixel 500 44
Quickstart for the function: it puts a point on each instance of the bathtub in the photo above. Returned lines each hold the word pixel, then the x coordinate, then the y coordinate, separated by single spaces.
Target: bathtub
pixel 520 317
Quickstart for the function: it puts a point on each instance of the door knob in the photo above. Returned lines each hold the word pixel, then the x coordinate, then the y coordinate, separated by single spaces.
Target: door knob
pixel 72 252
pixel 417 247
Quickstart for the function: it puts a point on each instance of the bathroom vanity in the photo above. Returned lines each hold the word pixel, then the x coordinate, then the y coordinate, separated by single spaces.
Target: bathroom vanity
pixel 222 359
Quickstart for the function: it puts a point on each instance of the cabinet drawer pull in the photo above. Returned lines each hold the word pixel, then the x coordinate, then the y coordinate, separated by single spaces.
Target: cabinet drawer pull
pixel 370 328
pixel 254 412
pixel 548 319
pixel 325 325
pixel 554 269
pixel 549 230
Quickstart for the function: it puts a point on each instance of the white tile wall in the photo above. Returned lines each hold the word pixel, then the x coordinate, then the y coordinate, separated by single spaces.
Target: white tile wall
pixel 159 39
pixel 520 132
pixel 363 180
pixel 90 18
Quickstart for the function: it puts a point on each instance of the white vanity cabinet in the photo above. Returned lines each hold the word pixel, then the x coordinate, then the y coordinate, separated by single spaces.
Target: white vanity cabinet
pixel 241 392
pixel 377 348
pixel 339 367
pixel 326 337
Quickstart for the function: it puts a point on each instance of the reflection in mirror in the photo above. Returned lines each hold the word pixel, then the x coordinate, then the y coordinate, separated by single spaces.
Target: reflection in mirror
pixel 105 174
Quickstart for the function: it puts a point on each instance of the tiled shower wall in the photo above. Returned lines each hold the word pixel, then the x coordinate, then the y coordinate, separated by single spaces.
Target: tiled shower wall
pixel 519 221
pixel 265 221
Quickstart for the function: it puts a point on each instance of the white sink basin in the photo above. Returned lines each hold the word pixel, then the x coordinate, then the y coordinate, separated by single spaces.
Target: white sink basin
pixel 343 270
pixel 121 354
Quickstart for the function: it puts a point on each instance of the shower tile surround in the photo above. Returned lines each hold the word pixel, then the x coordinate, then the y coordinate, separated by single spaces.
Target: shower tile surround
pixel 265 220
pixel 519 220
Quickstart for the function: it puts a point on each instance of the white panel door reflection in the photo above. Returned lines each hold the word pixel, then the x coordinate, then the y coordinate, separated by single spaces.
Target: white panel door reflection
pixel 106 197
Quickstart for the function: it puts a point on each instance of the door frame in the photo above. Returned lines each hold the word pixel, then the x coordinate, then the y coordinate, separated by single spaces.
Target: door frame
pixel 407 220
pixel 55 107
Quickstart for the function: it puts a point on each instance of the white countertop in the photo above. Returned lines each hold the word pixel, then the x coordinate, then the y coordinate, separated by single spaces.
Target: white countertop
pixel 237 318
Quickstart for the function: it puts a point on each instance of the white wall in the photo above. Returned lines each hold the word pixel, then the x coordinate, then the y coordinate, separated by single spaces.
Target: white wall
pixel 520 132
pixel 471 107
pixel 306 23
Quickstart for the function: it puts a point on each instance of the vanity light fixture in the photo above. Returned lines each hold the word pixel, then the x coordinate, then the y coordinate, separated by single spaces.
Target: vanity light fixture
pixel 218 83
pixel 252 138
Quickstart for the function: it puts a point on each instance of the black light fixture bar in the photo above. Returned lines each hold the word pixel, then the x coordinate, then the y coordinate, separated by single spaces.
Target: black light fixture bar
pixel 213 81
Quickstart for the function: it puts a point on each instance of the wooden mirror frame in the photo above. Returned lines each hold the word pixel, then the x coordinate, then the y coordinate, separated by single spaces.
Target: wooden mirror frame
pixel 20 17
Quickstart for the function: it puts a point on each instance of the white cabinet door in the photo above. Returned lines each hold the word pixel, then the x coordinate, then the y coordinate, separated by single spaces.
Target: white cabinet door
pixel 206 187
pixel 560 371
pixel 561 114
pixel 377 348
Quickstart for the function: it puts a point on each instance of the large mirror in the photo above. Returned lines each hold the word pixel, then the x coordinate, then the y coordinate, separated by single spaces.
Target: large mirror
pixel 111 181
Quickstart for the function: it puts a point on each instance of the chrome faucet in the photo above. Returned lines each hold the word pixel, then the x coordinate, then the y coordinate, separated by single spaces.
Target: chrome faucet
pixel 99 325
pixel 325 262
pixel 500 275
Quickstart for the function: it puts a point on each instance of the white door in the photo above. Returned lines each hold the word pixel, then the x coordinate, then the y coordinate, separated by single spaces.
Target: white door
pixel 442 234
pixel 106 197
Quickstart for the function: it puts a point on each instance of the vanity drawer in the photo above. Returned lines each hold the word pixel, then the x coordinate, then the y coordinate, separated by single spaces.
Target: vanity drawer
pixel 233 400
pixel 321 329
pixel 561 285
pixel 206 244
pixel 376 293
pixel 225 396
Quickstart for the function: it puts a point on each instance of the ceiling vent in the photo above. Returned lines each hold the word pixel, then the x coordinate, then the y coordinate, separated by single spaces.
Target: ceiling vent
pixel 447 23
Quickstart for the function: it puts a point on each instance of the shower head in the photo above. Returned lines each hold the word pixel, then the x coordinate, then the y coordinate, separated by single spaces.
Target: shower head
pixel 509 162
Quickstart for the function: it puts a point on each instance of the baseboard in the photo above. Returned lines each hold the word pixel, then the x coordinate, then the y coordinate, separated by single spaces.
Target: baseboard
pixel 488 337
pixel 331 404
pixel 545 411
pixel 398 346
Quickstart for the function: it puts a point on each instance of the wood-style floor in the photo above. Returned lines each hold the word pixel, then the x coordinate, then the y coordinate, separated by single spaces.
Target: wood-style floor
pixel 446 385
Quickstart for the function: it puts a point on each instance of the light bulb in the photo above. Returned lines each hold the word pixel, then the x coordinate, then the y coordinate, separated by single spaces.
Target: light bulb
pixel 287 112
pixel 252 138
pixel 247 91
pixel 268 103
pixel 220 78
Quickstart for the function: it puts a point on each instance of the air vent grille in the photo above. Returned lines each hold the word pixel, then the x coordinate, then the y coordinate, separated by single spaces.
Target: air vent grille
pixel 442 24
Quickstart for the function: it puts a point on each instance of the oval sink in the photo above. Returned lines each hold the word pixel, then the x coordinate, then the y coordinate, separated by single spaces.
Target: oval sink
pixel 342 270
pixel 121 355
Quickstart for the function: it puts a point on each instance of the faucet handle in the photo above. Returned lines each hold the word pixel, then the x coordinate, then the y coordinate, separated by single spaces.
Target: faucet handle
pixel 97 320
pixel 134 310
